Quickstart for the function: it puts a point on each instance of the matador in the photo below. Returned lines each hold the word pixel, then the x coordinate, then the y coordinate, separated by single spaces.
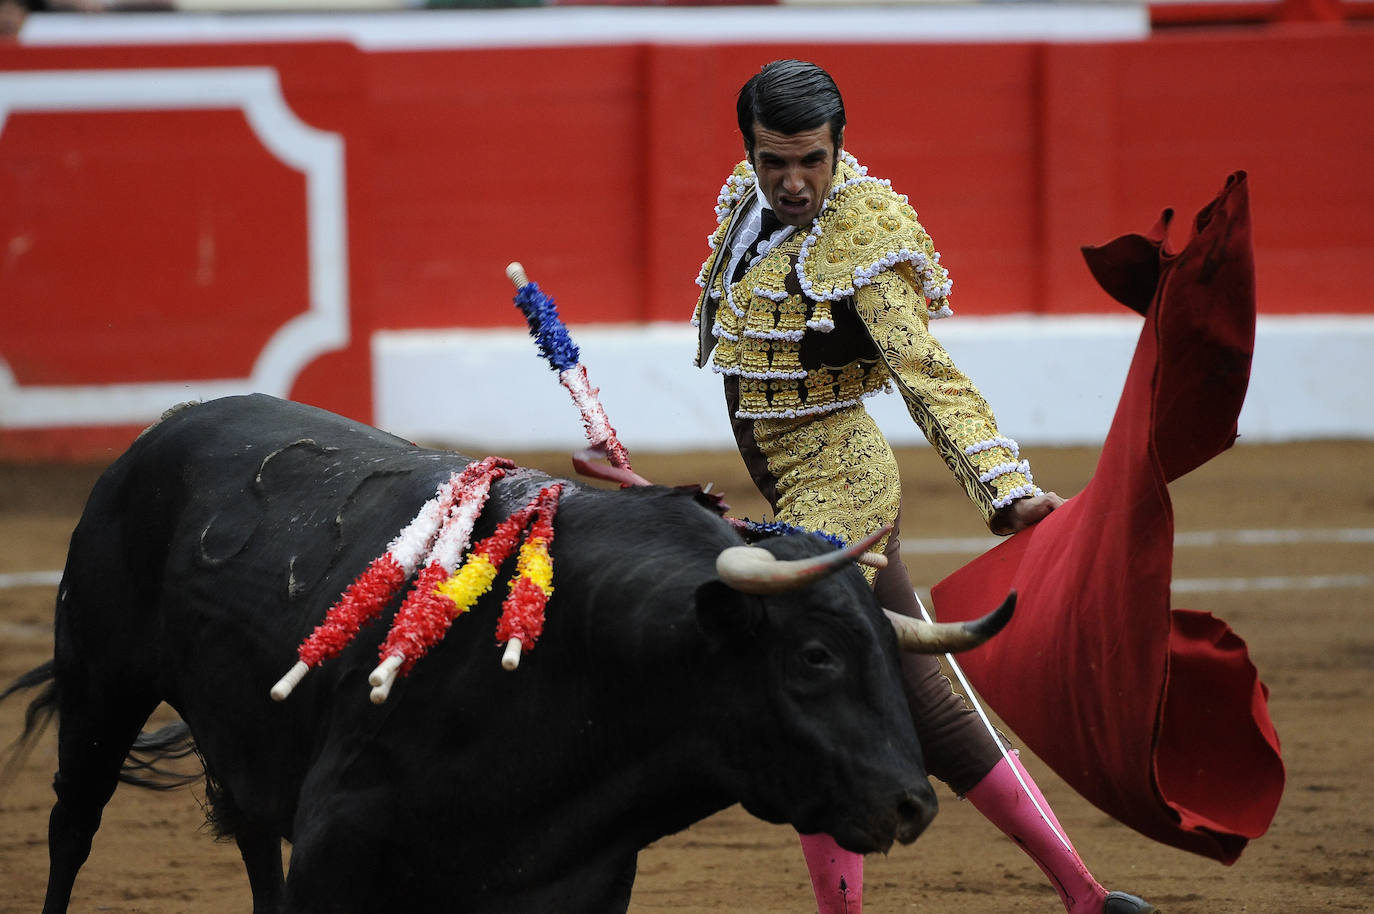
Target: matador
pixel 817 293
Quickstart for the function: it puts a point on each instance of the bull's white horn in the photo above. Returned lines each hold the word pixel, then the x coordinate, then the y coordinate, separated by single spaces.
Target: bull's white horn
pixel 922 637
pixel 515 272
pixel 289 682
pixel 753 569
pixel 511 658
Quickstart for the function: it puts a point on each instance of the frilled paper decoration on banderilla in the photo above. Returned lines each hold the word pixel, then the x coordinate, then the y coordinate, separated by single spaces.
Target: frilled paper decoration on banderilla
pixel 556 346
pixel 446 586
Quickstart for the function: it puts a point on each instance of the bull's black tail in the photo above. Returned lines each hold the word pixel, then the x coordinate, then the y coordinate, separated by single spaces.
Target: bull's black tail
pixel 142 768
pixel 40 713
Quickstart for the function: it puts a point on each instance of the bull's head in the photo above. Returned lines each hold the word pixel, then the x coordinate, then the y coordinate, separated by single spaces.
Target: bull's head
pixel 851 763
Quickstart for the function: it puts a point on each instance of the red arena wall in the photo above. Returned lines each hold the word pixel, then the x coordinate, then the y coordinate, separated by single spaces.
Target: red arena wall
pixel 251 214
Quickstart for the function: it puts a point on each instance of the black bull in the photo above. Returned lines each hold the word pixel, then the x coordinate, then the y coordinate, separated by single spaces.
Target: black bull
pixel 656 696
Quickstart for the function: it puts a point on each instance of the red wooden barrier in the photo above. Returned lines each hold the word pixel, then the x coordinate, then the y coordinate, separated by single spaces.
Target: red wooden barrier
pixel 166 246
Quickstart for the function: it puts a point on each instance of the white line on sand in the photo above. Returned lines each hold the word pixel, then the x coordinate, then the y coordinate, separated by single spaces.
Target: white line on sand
pixel 975 545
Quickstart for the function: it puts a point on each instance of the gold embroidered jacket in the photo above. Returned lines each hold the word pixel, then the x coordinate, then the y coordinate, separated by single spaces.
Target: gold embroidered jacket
pixel 838 313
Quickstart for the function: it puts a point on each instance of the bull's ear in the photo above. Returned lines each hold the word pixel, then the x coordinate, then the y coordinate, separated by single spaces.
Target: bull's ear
pixel 726 616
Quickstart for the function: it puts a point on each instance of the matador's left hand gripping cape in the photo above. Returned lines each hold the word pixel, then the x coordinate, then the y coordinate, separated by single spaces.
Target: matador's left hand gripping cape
pixel 838 312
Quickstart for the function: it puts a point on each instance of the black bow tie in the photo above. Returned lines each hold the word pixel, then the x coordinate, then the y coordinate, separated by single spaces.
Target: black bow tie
pixel 771 223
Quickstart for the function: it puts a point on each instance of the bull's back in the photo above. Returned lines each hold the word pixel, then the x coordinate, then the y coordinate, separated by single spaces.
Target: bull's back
pixel 217 542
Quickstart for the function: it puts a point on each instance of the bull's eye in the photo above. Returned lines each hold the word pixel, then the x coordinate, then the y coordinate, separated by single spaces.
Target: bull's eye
pixel 814 668
pixel 818 657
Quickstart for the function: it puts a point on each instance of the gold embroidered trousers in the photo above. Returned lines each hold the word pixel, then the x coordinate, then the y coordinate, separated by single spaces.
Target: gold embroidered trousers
pixel 836 472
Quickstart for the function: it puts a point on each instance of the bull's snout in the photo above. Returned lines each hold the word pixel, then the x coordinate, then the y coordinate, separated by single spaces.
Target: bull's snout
pixel 915 810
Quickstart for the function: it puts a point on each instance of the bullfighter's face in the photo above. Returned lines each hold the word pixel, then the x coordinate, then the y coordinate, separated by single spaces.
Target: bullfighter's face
pixel 794 170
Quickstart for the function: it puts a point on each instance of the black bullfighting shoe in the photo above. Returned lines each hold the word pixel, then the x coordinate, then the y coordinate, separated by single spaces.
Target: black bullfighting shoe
pixel 1121 903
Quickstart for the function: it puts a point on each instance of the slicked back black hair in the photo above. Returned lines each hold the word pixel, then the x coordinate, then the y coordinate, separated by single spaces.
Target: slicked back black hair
pixel 790 96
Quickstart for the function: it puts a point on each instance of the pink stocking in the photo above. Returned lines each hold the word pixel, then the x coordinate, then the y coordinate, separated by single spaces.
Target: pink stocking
pixel 837 875
pixel 1002 800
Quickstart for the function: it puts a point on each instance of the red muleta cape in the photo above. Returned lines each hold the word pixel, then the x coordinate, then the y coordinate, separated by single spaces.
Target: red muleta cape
pixel 1155 715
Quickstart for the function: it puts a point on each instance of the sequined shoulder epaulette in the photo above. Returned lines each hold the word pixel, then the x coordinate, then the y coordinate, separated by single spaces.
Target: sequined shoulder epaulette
pixel 864 229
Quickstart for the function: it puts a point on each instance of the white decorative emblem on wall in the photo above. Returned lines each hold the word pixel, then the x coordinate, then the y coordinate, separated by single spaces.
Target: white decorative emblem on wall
pixel 318 154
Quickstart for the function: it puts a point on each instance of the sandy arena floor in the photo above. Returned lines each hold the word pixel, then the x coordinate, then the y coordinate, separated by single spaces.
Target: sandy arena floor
pixel 1304 609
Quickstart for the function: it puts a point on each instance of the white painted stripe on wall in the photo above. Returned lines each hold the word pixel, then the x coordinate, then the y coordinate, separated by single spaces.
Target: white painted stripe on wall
pixel 322 323
pixel 611 25
pixel 1052 381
